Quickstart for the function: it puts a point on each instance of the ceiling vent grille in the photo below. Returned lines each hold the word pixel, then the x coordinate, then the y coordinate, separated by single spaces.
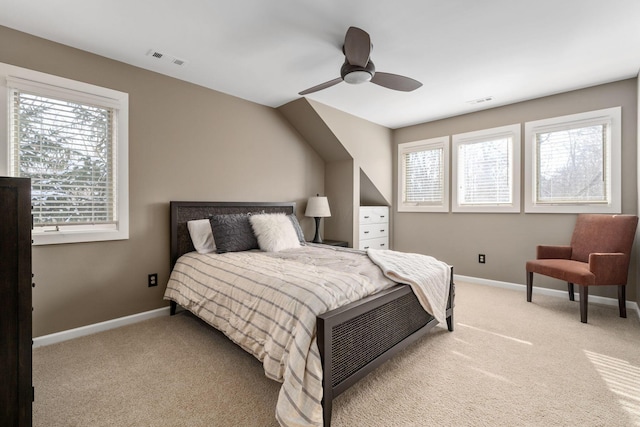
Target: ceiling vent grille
pixel 480 100
pixel 165 58
pixel 155 54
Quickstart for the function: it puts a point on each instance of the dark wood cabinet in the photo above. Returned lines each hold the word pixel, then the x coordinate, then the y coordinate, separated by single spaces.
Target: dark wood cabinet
pixel 16 392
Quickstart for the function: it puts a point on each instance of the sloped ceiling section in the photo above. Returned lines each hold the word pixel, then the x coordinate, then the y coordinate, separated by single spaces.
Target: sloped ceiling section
pixel 369 194
pixel 336 134
pixel 305 119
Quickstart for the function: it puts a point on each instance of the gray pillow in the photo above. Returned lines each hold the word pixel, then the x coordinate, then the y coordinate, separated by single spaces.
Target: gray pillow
pixel 296 226
pixel 233 233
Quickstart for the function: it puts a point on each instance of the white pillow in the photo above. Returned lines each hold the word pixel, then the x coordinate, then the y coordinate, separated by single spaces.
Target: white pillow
pixel 201 235
pixel 274 232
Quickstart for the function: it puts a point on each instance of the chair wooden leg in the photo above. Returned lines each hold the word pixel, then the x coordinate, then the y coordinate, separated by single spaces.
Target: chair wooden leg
pixel 584 297
pixel 571 295
pixel 529 285
pixel 622 300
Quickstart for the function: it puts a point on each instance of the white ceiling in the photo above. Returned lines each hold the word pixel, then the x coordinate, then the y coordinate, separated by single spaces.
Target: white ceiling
pixel 268 51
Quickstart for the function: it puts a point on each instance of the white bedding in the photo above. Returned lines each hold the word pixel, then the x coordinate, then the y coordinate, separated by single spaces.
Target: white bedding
pixel 268 302
pixel 423 273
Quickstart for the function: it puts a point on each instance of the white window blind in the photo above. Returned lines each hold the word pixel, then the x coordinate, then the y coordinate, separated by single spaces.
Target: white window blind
pixel 423 174
pixel 572 163
pixel 67 148
pixel 487 170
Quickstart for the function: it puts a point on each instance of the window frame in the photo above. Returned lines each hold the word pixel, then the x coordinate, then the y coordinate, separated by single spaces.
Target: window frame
pixel 613 159
pixel 513 131
pixel 424 145
pixel 59 87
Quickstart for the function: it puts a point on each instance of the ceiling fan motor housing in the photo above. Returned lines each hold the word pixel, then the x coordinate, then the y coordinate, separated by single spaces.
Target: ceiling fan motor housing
pixel 354 74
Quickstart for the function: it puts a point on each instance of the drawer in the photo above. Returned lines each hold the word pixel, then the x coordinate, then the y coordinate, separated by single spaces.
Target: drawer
pixel 374 214
pixel 379 243
pixel 373 231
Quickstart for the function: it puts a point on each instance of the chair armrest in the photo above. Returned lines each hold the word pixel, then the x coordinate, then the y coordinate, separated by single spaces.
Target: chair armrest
pixel 553 252
pixel 609 268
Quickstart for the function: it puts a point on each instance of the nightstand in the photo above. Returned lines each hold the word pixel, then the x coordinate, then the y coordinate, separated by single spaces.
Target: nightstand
pixel 336 243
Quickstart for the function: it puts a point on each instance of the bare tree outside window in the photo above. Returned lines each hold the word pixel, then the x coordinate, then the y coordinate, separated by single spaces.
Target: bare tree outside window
pixel 571 165
pixel 486 172
pixel 424 176
pixel 66 150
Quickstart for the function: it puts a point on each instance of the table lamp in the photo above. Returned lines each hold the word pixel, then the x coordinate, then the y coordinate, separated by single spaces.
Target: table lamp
pixel 317 207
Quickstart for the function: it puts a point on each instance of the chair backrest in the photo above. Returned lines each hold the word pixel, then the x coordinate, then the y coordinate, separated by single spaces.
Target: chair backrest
pixel 602 233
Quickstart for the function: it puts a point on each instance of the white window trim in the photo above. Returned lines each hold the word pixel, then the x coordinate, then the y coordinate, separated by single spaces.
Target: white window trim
pixel 614 154
pixel 433 143
pixel 487 134
pixel 51 83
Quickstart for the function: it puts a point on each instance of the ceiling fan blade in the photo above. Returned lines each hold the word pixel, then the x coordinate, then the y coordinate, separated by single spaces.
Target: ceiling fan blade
pixel 395 82
pixel 321 86
pixel 357 47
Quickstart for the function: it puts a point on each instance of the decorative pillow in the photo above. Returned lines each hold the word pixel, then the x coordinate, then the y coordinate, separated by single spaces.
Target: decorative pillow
pixel 233 233
pixel 296 226
pixel 275 232
pixel 201 235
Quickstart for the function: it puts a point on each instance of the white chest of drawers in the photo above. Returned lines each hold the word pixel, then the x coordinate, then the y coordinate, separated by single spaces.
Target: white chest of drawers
pixel 374 227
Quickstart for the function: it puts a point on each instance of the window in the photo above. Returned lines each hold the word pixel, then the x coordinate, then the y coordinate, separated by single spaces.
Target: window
pixel 573 163
pixel 486 175
pixel 70 138
pixel 423 176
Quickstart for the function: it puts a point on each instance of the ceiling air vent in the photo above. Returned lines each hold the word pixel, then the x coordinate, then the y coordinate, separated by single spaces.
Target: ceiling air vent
pixel 155 54
pixel 165 58
pixel 179 62
pixel 480 100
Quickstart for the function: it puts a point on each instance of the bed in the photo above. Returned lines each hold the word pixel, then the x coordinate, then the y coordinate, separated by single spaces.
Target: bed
pixel 352 339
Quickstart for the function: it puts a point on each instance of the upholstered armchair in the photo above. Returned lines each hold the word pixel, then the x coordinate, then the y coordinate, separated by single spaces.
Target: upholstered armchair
pixel 599 255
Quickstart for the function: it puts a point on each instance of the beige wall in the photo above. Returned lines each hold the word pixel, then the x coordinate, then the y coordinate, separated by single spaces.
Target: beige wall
pixel 190 143
pixel 340 184
pixel 508 240
pixel 637 257
pixel 368 143
pixel 350 146
pixel 185 143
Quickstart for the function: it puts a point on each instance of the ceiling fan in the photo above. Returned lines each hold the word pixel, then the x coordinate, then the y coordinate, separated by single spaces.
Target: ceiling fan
pixel 358 67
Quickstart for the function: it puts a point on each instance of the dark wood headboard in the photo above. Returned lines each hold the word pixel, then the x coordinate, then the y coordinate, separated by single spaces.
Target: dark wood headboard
pixel 181 212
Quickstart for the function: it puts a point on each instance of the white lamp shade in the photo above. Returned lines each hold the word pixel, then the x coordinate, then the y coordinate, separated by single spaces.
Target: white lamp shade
pixel 318 207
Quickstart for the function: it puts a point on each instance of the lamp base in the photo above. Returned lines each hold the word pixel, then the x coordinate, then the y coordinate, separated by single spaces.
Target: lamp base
pixel 316 238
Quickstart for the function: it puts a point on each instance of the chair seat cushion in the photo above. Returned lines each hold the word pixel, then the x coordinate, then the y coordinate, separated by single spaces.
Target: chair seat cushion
pixel 564 269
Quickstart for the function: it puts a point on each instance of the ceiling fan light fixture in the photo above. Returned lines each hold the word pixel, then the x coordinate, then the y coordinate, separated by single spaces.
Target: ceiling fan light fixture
pixel 357 77
pixel 358 67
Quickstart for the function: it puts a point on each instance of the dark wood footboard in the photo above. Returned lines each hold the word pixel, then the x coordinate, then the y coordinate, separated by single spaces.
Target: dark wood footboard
pixel 355 339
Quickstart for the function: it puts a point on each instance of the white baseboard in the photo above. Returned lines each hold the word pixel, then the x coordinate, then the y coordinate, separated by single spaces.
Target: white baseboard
pixel 631 305
pixel 98 327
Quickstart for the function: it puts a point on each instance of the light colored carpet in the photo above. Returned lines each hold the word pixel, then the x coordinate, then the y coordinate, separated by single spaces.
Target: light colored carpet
pixel 508 363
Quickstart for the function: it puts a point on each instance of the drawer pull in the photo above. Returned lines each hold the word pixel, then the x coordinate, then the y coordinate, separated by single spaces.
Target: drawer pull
pixel 366 217
pixel 381 244
pixel 366 232
pixel 382 231
pixel 366 247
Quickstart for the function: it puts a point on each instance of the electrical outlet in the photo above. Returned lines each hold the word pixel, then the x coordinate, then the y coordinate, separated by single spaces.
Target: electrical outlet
pixel 153 279
pixel 481 258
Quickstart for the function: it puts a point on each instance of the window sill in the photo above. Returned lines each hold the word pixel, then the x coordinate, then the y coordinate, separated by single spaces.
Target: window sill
pixel 59 237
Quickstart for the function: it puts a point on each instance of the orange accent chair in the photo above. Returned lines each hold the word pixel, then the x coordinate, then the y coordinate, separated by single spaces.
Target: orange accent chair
pixel 599 255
